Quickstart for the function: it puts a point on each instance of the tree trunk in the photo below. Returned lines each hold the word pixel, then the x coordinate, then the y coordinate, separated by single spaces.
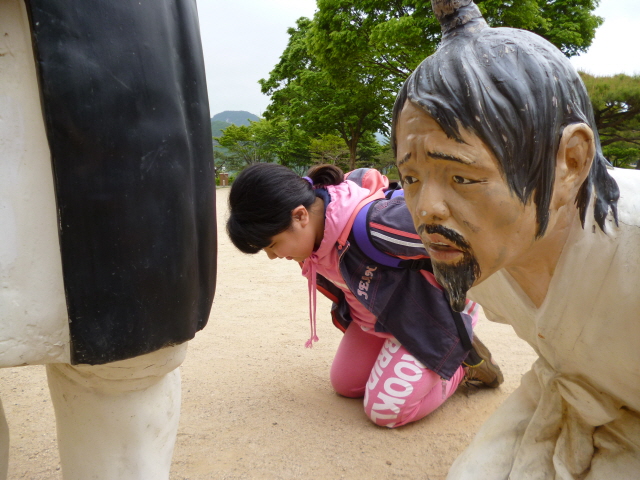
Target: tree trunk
pixel 352 143
pixel 353 146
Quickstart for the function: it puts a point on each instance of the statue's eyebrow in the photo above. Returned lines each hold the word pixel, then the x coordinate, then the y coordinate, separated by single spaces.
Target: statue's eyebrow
pixel 452 158
pixel 404 159
pixel 438 156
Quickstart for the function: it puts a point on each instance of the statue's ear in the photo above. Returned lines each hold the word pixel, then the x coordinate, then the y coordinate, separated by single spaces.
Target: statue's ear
pixel 573 161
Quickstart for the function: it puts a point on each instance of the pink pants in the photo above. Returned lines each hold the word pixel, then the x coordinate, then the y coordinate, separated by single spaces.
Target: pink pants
pixel 397 388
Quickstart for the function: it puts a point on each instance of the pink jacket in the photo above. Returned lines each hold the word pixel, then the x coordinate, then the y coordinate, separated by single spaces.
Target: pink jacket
pixel 345 199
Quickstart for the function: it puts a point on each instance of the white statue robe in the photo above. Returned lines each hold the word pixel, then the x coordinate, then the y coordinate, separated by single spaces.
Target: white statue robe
pixel 576 414
pixel 34 325
pixel 119 418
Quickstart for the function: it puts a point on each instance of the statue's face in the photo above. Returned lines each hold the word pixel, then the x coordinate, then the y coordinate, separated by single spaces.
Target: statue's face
pixel 469 220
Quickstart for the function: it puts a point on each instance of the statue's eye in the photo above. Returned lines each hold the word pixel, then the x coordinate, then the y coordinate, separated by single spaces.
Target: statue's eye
pixel 408 180
pixel 462 180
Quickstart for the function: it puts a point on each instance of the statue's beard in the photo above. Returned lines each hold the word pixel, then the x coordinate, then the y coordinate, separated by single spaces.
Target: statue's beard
pixel 456 278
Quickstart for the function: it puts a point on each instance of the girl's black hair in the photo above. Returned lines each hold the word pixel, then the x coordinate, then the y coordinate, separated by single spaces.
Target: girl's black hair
pixel 263 196
pixel 517 93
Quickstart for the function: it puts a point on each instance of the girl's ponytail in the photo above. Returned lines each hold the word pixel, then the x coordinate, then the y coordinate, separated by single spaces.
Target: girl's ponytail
pixel 323 175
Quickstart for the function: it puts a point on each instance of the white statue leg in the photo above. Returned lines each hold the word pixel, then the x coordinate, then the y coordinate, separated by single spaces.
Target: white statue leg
pixel 119 420
pixel 4 444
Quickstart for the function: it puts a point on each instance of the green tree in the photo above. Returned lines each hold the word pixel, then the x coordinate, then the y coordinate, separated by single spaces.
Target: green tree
pixel 217 126
pixel 289 143
pixel 616 107
pixel 310 97
pixel 262 141
pixel 243 145
pixel 622 155
pixel 341 70
pixel 221 161
pixel 392 37
pixel 368 151
pixel 240 146
pixel 329 148
pixel 569 24
pixel 385 161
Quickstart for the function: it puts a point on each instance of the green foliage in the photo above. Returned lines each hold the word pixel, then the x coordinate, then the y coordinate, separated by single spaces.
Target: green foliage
pixel 217 126
pixel 341 70
pixel 374 37
pixel 329 148
pixel 568 24
pixel 244 145
pixel 222 120
pixel 291 145
pixel 368 151
pixel 311 98
pixel 261 141
pixel 390 38
pixel 616 107
pixel 622 155
pixel 385 161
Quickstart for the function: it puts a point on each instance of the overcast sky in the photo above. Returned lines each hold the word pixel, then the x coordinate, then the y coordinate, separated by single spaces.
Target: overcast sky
pixel 243 41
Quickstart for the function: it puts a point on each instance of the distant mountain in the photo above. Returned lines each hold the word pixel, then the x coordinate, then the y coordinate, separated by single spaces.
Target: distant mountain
pixel 222 120
pixel 235 117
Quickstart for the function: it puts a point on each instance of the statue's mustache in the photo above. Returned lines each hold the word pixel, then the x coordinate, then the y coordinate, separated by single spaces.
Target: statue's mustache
pixel 451 235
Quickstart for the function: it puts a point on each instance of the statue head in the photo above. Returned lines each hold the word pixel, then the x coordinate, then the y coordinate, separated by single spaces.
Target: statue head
pixel 495 107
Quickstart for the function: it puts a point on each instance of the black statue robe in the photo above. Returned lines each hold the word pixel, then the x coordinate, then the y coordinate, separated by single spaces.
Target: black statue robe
pixel 125 105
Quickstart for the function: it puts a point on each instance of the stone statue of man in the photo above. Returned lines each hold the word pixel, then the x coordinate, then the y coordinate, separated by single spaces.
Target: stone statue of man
pixel 505 179
pixel 107 220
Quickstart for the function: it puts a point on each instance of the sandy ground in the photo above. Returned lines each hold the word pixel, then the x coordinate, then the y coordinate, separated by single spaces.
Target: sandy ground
pixel 258 405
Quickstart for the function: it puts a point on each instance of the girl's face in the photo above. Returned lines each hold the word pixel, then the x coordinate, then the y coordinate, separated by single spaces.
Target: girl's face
pixel 297 242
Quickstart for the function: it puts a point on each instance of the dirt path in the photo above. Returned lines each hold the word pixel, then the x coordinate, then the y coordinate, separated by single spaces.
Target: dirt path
pixel 258 405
